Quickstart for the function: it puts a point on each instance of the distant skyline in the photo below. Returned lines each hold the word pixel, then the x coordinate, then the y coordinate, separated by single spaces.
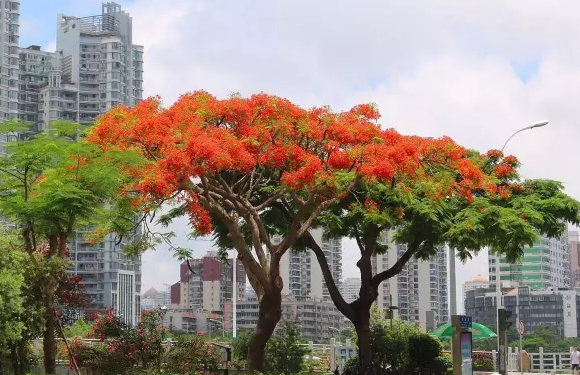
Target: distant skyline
pixel 474 71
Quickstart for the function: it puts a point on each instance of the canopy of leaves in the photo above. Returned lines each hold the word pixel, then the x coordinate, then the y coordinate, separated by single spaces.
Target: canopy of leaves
pixel 54 182
pixel 233 162
pixel 507 215
pixel 266 142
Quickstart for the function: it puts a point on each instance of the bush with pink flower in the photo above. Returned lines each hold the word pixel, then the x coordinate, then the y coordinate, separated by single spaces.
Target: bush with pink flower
pixel 121 348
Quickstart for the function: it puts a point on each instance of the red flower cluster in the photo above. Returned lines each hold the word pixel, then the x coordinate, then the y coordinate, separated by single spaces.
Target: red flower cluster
pixel 201 137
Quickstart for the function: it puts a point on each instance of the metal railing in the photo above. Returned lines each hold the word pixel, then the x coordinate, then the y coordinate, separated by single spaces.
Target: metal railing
pixel 540 362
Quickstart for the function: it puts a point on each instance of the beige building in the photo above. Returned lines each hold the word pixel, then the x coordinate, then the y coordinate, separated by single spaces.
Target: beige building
pixel 319 320
pixel 574 259
pixel 210 284
pixel 477 282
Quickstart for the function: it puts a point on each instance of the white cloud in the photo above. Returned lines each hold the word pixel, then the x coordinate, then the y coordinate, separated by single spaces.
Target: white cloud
pixel 436 67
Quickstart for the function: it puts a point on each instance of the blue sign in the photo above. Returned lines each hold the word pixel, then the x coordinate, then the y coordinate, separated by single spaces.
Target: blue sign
pixel 464 321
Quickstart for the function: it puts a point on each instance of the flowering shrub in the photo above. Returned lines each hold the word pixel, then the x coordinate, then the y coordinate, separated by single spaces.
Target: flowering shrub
pixel 483 361
pixel 192 355
pixel 121 348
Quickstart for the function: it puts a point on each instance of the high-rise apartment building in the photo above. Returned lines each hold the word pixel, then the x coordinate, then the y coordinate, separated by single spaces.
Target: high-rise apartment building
pixel 35 67
pixel 210 284
pixel 546 264
pixel 95 67
pixel 9 74
pixel 420 291
pixel 301 273
pixel 9 39
pixel 112 279
pixel 351 289
pixel 319 321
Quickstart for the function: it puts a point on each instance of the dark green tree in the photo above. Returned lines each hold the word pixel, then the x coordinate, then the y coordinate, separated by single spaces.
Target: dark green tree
pixel 284 352
pixel 504 213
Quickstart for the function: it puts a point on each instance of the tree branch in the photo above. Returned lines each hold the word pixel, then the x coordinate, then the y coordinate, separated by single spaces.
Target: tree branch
pixel 268 202
pixel 398 266
pixel 335 295
pixel 359 242
pixel 256 274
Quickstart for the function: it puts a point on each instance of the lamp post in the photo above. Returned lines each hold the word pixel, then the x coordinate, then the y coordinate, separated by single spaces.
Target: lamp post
pixel 499 301
pixel 234 297
pixel 392 309
pixel 163 311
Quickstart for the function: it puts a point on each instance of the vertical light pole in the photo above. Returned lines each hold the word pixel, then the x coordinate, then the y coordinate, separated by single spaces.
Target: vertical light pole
pixel 163 311
pixel 499 303
pixel 452 284
pixel 234 297
pixel 391 309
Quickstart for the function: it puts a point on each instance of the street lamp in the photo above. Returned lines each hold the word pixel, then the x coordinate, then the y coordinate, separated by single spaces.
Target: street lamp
pixel 162 312
pixel 391 310
pixel 536 125
pixel 499 302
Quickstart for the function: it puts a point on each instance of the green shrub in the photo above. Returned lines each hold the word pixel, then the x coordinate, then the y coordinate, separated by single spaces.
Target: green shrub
pixel 404 349
pixel 192 355
pixel 240 350
pixel 284 354
pixel 423 350
pixel 483 364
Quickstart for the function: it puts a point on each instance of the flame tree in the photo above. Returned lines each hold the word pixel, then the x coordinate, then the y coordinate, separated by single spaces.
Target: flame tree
pixel 487 205
pixel 231 164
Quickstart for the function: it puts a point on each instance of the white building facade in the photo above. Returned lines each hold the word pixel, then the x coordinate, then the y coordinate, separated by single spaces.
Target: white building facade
pixel 351 289
pixel 9 74
pixel 419 291
pixel 98 68
pixel 301 273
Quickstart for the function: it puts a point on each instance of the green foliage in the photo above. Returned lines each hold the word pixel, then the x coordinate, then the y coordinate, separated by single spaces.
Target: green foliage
pixel 54 182
pixel 191 355
pixel 11 282
pixel 284 352
pixel 80 328
pixel 377 317
pixel 483 362
pixel 123 349
pixel 240 349
pixel 405 348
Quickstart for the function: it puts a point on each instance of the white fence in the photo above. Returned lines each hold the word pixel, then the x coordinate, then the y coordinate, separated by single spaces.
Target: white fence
pixel 540 362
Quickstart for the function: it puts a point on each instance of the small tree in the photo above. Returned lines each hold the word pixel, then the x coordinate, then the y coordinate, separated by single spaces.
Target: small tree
pixel 284 354
pixel 51 184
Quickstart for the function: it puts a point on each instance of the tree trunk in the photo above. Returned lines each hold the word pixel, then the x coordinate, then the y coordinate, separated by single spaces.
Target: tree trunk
pixel 270 312
pixel 49 342
pixel 363 331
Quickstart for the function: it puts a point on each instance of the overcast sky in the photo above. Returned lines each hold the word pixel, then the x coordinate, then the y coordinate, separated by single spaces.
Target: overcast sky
pixel 472 70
